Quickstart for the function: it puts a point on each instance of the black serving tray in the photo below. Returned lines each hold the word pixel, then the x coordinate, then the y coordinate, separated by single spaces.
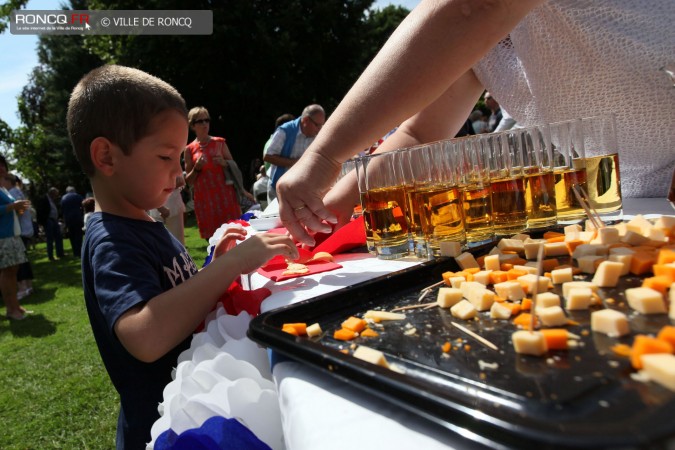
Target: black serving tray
pixel 580 398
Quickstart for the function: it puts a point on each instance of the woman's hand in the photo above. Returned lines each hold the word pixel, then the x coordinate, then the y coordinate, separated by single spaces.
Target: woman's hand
pixel 300 192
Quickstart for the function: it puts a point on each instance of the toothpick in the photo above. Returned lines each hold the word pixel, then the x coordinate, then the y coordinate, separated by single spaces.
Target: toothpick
pixel 533 308
pixel 586 208
pixel 426 290
pixel 480 339
pixel 405 308
pixel 597 216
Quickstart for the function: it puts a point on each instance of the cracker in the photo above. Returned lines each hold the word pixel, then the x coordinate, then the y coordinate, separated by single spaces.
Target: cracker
pixel 295 269
pixel 322 256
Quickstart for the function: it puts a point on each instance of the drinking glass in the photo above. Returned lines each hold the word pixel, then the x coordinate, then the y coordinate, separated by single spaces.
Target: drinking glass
pixel 569 168
pixel 509 211
pixel 436 196
pixel 383 202
pixel 417 241
pixel 603 178
pixel 473 177
pixel 540 201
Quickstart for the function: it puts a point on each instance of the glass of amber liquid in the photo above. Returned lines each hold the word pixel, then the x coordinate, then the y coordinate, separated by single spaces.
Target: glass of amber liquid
pixel 509 209
pixel 473 177
pixel 603 177
pixel 417 240
pixel 436 196
pixel 569 168
pixel 540 201
pixel 383 203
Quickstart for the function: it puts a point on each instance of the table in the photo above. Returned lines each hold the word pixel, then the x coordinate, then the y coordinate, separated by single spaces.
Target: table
pixel 321 411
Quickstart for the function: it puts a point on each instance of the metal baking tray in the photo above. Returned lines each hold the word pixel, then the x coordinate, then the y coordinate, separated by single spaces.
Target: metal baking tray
pixel 584 397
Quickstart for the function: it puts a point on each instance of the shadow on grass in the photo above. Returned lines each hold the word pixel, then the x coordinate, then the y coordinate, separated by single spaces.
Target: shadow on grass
pixel 35 325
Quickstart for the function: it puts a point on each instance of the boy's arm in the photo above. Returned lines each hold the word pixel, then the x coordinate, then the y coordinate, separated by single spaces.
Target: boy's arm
pixel 151 330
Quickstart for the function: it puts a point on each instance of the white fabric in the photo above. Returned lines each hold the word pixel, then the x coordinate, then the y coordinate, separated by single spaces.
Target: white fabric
pixel 579 58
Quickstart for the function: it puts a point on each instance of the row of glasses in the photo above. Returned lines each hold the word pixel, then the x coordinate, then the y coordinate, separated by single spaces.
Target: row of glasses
pixel 471 189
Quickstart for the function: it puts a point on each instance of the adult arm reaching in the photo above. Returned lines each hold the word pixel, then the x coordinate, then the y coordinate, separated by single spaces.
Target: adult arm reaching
pixel 433 47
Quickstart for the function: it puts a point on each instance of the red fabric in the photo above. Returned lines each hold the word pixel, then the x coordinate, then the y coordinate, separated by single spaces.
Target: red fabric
pixel 236 299
pixel 215 202
pixel 346 238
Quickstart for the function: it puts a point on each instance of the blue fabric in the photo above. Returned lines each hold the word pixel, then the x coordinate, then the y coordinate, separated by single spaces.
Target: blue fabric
pixel 217 433
pixel 126 263
pixel 290 129
pixel 6 216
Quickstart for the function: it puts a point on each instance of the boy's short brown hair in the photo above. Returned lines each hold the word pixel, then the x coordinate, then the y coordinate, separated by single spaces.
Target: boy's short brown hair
pixel 117 103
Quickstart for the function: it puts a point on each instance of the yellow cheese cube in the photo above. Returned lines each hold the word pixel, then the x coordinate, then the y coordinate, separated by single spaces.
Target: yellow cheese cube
pixel 463 310
pixel 575 284
pixel 608 274
pixel 510 290
pixel 531 281
pixel 547 299
pixel 447 297
pixel 371 355
pixel 482 277
pixel 499 311
pixel 467 261
pixel 646 300
pixel 661 368
pixel 624 260
pixel 611 322
pixel 587 263
pixel 529 343
pixel 456 282
pixel 552 316
pixel 532 248
pixel 492 262
pixel 450 248
pixel 481 299
pixel 314 330
pixel 559 276
pixel 556 249
pixel 512 245
pixel 578 298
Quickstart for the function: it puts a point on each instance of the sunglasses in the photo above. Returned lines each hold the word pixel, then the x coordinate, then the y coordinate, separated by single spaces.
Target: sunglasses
pixel 197 122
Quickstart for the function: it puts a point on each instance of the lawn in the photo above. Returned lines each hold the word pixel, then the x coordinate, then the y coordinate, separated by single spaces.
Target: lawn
pixel 55 391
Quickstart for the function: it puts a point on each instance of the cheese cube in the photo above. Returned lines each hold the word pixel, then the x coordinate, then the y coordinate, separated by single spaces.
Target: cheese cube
pixel 611 322
pixel 587 263
pixel 482 277
pixel 671 298
pixel 450 248
pixel 481 299
pixel 448 297
pixel 661 368
pixel 492 262
pixel 587 236
pixel 665 222
pixel 577 284
pixel 552 316
pixel 521 237
pixel 468 286
pixel 547 299
pixel 639 224
pixel 624 260
pixel 608 274
pixel 556 249
pixel 531 281
pixel 590 250
pixel 622 228
pixel 371 355
pixel 528 269
pixel 463 310
pixel 578 298
pixel 467 261
pixel 456 282
pixel 314 330
pixel 532 248
pixel 573 229
pixel 529 343
pixel 510 290
pixel 512 245
pixel 646 300
pixel 608 236
pixel 383 315
pixel 658 235
pixel 499 311
pixel 559 276
pixel 633 238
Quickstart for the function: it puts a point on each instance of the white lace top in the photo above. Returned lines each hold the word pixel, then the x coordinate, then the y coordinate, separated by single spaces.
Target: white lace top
pixel 578 58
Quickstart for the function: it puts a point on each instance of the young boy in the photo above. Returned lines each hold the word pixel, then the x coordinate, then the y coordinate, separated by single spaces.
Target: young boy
pixel 143 294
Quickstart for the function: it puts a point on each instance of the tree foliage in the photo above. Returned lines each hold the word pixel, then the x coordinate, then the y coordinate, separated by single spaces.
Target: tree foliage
pixel 264 58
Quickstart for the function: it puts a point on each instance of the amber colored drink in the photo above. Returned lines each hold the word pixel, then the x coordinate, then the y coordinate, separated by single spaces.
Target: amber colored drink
pixel 441 215
pixel 509 213
pixel 419 242
pixel 384 212
pixel 567 204
pixel 603 182
pixel 477 202
pixel 540 201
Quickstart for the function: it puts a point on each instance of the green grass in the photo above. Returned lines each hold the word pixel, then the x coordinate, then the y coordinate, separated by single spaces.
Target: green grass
pixel 54 390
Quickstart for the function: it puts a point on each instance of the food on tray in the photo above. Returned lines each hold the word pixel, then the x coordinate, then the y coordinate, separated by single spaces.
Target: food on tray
pixel 296 329
pixel 371 355
pixel 660 367
pixel 314 330
pixel 295 269
pixel 322 256
pixel 646 300
pixel 448 297
pixel 354 324
pixel 529 343
pixel 611 322
pixel 383 315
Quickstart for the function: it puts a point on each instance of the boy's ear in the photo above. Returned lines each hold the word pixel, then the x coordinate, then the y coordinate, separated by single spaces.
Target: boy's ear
pixel 101 151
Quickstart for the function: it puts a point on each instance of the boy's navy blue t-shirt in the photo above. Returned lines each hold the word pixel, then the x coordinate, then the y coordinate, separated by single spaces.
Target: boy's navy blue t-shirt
pixel 125 263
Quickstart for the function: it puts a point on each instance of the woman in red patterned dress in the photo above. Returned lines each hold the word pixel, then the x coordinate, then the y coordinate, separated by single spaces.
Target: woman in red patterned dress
pixel 206 157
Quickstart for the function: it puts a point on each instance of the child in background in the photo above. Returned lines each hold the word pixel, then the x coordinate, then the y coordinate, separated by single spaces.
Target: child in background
pixel 143 293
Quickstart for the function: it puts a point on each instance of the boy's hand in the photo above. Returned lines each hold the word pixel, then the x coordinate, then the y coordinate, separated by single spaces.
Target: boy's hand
pixel 229 240
pixel 259 249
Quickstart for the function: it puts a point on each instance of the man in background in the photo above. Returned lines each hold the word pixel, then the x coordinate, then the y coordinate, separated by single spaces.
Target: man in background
pixel 73 216
pixel 48 216
pixel 289 142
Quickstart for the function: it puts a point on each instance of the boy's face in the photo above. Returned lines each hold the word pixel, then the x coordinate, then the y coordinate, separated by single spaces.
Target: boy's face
pixel 146 177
